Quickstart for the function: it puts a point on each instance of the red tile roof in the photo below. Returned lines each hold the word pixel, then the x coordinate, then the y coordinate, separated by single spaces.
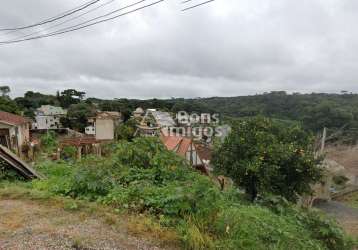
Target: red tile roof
pixel 184 146
pixel 171 142
pixel 179 145
pixel 12 119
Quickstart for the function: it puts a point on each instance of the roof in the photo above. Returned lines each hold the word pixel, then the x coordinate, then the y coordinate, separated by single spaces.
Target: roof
pixel 12 119
pixel 107 115
pixel 178 144
pixel 51 110
pixel 14 162
pixel 139 110
pixel 163 119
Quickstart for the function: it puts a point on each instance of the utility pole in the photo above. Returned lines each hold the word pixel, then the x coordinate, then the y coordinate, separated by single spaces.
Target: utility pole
pixel 324 136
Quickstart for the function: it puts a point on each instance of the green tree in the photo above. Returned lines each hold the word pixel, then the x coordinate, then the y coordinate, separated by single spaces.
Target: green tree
pixel 126 130
pixel 264 157
pixel 70 96
pixel 7 105
pixel 77 116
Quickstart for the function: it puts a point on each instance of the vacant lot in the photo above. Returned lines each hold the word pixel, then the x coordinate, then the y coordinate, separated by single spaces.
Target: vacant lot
pixel 26 224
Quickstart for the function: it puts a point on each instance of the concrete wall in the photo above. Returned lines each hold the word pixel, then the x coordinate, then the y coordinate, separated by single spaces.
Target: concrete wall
pixel 21 132
pixel 104 129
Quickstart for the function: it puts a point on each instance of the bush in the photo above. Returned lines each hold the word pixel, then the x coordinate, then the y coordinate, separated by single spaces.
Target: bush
pixel 69 152
pixel 143 177
pixel 49 141
pixel 7 173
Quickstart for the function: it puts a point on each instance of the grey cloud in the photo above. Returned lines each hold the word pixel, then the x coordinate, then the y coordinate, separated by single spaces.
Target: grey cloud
pixel 229 47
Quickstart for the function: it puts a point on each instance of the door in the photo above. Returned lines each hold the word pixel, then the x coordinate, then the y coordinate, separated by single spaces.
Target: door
pixel 4 137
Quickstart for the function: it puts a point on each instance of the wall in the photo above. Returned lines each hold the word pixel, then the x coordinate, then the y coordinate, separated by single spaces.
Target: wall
pixel 47 122
pixel 20 132
pixel 24 134
pixel 104 129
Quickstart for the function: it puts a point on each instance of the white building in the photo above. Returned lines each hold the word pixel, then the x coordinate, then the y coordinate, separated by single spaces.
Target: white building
pixel 48 117
pixel 103 126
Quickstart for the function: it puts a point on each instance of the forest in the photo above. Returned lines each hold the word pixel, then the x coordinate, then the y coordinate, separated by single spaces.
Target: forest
pixel 313 111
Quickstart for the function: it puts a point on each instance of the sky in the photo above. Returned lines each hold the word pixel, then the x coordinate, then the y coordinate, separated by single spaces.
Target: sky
pixel 224 48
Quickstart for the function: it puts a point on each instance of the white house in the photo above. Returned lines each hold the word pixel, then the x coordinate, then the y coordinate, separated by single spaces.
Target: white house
pixel 48 117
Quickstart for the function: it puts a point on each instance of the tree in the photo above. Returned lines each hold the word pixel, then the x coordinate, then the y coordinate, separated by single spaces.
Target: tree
pixel 8 105
pixel 4 90
pixel 69 97
pixel 264 157
pixel 126 130
pixel 78 115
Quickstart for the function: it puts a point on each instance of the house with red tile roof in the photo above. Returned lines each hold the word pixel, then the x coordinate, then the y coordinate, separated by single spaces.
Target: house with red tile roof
pixel 14 131
pixel 197 155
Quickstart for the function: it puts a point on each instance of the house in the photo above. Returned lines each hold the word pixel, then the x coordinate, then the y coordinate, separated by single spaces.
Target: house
pixel 14 131
pixel 162 119
pixel 197 155
pixel 154 121
pixel 103 126
pixel 48 117
pixel 139 112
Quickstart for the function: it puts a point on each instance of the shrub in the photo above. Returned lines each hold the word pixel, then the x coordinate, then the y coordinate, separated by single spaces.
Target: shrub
pixel 143 177
pixel 49 141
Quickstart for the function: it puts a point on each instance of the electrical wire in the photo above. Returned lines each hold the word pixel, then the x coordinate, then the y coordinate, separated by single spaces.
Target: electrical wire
pixel 53 19
pixel 67 21
pixel 197 5
pixel 67 30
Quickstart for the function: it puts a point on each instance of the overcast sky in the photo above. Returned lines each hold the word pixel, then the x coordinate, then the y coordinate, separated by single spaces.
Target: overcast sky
pixel 225 48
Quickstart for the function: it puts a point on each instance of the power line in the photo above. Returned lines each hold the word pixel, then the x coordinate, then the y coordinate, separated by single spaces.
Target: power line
pixel 83 23
pixel 49 20
pixel 67 21
pixel 66 30
pixel 197 5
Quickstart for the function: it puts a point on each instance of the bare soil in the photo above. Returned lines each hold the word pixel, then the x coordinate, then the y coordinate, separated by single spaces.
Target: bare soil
pixel 346 216
pixel 26 224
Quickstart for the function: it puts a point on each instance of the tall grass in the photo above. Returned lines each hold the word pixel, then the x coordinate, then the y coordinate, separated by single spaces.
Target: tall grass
pixel 143 178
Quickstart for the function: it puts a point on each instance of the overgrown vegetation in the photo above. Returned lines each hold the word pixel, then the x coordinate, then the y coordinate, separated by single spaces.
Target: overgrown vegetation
pixel 142 177
pixel 49 141
pixel 263 156
pixel 7 173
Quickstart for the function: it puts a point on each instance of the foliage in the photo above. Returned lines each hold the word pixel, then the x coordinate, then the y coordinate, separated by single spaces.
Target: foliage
pixel 77 116
pixel 69 97
pixel 314 111
pixel 33 100
pixel 7 173
pixel 7 105
pixel 143 177
pixel 263 156
pixel 126 130
pixel 69 152
pixel 49 141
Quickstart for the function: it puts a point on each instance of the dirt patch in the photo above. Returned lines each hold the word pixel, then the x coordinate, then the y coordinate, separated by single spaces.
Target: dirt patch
pixel 346 156
pixel 31 225
pixel 346 216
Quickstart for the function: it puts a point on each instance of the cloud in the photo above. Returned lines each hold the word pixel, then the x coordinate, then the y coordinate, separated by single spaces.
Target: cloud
pixel 225 48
